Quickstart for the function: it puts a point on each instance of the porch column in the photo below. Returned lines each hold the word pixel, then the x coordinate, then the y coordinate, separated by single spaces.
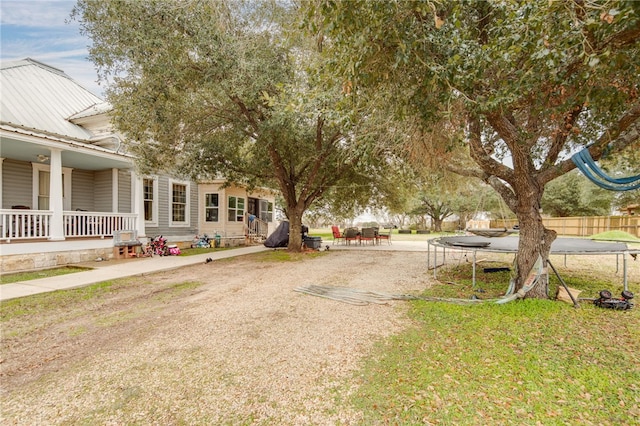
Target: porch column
pixel 114 192
pixel 137 203
pixel 55 196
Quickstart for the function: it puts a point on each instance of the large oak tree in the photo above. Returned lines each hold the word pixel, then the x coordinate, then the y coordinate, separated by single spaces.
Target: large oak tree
pixel 527 82
pixel 223 88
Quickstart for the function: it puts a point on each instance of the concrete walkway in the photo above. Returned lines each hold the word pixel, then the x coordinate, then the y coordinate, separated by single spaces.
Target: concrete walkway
pixel 105 271
pixel 108 270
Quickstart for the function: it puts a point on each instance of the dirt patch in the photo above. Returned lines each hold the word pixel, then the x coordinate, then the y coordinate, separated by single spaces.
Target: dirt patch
pixel 227 342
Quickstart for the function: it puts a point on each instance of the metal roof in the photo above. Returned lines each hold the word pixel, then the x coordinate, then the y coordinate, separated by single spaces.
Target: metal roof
pixel 42 108
pixel 36 96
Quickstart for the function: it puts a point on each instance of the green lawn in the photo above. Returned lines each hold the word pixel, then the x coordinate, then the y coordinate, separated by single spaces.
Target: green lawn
pixel 34 275
pixel 524 363
pixel 70 269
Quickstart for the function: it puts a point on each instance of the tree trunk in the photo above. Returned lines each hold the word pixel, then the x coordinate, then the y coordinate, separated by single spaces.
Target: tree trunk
pixel 535 240
pixel 295 230
pixel 437 224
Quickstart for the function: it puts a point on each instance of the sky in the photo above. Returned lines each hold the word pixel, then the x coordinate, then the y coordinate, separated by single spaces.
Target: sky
pixel 42 30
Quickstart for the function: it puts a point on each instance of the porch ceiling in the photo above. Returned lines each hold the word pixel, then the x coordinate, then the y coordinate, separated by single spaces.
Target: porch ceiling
pixel 79 157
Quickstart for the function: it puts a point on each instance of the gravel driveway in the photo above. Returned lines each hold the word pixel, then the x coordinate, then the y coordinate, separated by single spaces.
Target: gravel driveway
pixel 227 342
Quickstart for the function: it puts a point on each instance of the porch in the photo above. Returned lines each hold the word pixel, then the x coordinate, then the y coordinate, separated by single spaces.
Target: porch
pixel 28 225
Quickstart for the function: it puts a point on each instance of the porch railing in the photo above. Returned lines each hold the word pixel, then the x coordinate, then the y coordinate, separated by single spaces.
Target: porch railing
pixel 96 224
pixel 256 229
pixel 24 224
pixel 36 224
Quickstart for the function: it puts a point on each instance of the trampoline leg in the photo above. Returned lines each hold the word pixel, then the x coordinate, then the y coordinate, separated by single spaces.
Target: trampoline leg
pixel 428 254
pixel 573 299
pixel 435 261
pixel 473 281
pixel 624 272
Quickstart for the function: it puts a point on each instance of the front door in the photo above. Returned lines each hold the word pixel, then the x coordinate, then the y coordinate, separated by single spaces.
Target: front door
pixel 253 207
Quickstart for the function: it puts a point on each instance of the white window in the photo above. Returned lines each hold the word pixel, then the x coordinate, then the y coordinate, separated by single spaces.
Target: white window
pixel 179 203
pixel 235 210
pixel 43 190
pixel 150 194
pixel 211 207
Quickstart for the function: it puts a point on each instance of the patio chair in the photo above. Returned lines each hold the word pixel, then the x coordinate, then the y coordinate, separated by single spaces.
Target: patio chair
pixel 384 236
pixel 368 235
pixel 337 235
pixel 351 234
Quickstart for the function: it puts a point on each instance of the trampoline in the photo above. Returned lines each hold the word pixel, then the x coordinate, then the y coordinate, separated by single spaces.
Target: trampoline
pixel 561 246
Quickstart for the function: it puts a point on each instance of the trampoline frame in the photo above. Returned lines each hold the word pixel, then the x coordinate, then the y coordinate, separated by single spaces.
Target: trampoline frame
pixel 437 242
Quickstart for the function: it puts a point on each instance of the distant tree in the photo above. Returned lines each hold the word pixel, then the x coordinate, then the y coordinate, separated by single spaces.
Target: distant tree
pixel 574 195
pixel 622 166
pixel 520 84
pixel 442 195
pixel 437 210
pixel 626 199
pixel 387 192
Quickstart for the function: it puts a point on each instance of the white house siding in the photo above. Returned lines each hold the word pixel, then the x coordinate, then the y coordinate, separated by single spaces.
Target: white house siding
pixel 224 227
pixel 211 228
pixel 82 190
pixel 17 179
pixel 234 228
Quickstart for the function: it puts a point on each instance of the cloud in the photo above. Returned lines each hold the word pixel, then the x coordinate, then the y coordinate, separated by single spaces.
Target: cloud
pixel 36 13
pixel 42 30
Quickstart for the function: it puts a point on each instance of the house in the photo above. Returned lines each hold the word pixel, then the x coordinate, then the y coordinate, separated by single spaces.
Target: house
pixel 631 209
pixel 235 214
pixel 67 184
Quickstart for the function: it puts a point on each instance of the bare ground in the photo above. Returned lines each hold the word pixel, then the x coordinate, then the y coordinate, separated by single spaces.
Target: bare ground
pixel 228 342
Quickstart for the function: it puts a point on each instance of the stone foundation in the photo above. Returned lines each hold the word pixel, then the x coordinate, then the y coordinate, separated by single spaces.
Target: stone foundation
pixel 36 261
pixel 233 241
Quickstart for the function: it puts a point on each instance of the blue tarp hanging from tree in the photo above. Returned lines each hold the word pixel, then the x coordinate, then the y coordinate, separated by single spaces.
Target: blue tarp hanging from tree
pixel 590 169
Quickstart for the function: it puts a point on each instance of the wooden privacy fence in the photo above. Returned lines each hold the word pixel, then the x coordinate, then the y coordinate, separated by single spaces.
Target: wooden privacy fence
pixel 581 226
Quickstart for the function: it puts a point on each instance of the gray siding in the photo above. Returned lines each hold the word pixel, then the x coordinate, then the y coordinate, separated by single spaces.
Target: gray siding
pixel 90 190
pixel 194 207
pixel 102 191
pixel 164 208
pixel 163 203
pixel 17 181
pixel 82 190
pixel 124 191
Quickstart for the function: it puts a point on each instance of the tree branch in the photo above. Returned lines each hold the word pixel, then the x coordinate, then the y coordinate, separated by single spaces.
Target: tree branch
pixel 562 135
pixel 506 130
pixel 319 162
pixel 620 135
pixel 246 113
pixel 621 39
pixel 507 194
